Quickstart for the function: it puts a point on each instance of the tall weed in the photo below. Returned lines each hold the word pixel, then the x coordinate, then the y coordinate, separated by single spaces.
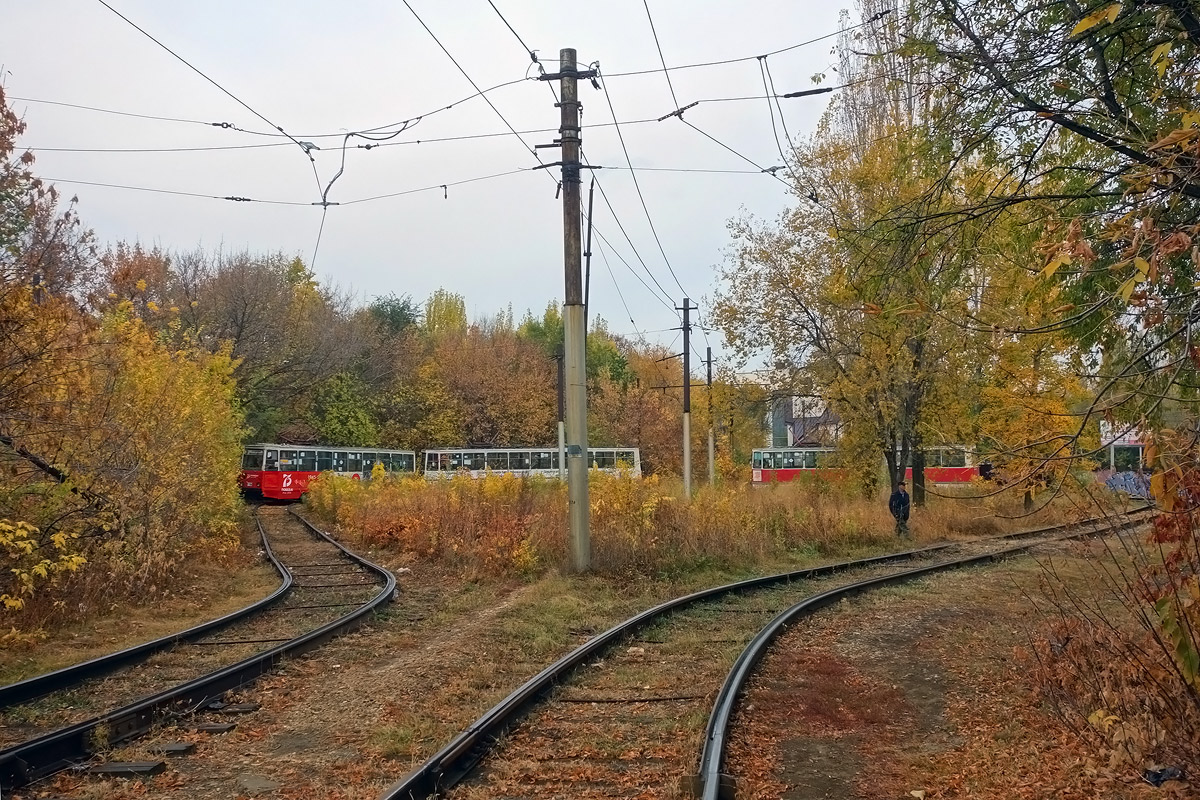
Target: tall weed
pixel 502 525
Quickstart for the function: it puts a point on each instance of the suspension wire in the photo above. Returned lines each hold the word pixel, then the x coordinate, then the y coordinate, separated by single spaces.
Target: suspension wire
pixel 638 187
pixel 443 186
pixel 663 61
pixel 233 198
pixel 617 286
pixel 306 147
pixel 320 230
pixel 870 20
pixel 774 129
pixel 471 81
pixel 664 293
pixel 770 171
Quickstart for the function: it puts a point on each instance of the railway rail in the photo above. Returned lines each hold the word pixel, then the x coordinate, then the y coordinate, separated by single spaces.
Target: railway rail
pixel 327 591
pixel 643 709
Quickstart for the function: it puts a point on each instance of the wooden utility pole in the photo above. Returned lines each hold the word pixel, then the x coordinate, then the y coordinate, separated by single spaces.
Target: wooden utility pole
pixel 574 311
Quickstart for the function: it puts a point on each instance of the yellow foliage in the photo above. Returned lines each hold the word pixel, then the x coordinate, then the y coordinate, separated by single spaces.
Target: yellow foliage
pixel 503 525
pixel 19 541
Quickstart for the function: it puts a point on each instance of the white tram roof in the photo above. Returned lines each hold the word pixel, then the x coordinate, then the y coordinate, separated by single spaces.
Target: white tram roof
pixel 339 448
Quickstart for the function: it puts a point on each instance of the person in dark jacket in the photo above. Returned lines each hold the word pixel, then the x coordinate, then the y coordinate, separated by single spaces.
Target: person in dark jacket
pixel 899 504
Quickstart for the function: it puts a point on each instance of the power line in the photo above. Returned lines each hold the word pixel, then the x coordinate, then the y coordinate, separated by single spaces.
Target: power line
pixel 864 23
pixel 239 199
pixel 189 65
pixel 617 286
pixel 320 230
pixel 771 111
pixel 472 82
pixel 155 149
pixel 663 61
pixel 444 186
pixel 642 261
pixel 122 113
pixel 637 186
pixel 771 172
pixel 532 55
pixel 233 198
pixel 232 127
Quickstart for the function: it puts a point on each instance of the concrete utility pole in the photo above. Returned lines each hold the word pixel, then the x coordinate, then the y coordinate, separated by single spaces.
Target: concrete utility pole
pixel 712 450
pixel 687 397
pixel 574 311
pixel 562 428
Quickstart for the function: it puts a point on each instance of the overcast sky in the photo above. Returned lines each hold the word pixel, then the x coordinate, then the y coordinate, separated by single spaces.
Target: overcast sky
pixel 320 68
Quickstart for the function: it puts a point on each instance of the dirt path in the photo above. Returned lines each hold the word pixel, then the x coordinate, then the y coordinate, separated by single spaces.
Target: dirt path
pixel 919 691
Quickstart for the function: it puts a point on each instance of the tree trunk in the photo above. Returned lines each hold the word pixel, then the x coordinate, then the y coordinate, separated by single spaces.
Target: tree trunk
pixel 889 455
pixel 918 476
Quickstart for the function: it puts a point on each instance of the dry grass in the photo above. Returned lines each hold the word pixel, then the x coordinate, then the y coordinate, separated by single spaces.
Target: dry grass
pixel 502 525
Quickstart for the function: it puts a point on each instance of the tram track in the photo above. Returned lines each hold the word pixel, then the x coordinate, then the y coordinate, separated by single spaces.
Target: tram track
pixel 327 590
pixel 617 720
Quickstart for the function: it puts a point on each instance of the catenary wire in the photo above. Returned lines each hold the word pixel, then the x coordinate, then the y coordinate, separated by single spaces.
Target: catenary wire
pixel 771 110
pixel 617 286
pixel 865 22
pixel 735 152
pixel 471 81
pixel 664 293
pixel 195 69
pixel 233 198
pixel 637 186
pixel 444 186
pixel 661 59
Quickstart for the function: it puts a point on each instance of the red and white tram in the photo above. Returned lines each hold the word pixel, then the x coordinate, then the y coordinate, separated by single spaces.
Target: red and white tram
pixel 283 471
pixel 947 465
pixel 943 465
pixel 524 461
pixel 785 464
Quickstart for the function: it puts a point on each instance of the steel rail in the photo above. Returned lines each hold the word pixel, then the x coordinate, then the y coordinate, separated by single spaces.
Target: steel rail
pixel 62 749
pixel 712 756
pixel 454 761
pixel 32 688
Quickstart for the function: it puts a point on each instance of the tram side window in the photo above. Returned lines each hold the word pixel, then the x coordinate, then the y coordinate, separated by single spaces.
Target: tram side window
pixel 272 464
pixel 954 458
pixel 474 461
pixel 368 461
pixel 353 462
pixel 324 460
pixel 287 460
pixel 520 460
pixel 625 459
pixel 603 459
pixel 404 462
pixel 306 460
pixel 544 459
pixel 497 461
pixel 339 461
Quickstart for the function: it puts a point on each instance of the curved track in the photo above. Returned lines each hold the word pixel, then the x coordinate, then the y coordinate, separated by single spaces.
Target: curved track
pixel 39 685
pixel 617 728
pixel 333 591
